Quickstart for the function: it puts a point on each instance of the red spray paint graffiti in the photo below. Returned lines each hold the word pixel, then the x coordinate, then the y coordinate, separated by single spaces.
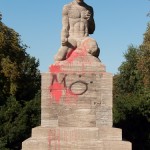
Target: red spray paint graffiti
pixel 54 139
pixel 57 135
pixel 57 89
pixel 62 92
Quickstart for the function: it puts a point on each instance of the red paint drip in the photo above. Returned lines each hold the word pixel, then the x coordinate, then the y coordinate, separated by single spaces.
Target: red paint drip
pixel 55 68
pixel 56 91
pixel 69 53
pixel 77 53
pixel 58 88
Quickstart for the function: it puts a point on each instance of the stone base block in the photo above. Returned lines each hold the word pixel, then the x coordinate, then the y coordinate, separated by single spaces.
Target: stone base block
pixel 44 144
pixel 74 138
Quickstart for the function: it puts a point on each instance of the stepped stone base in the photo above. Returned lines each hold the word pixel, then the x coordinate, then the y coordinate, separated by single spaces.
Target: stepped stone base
pixel 73 138
pixel 76 108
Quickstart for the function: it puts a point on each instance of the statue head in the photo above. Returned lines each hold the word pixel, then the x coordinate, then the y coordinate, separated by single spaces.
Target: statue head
pixel 79 1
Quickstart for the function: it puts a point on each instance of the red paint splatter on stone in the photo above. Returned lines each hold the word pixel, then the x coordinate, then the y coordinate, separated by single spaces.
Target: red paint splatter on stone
pixel 55 68
pixel 56 91
pixel 54 135
pixel 77 53
pixel 56 88
pixel 69 53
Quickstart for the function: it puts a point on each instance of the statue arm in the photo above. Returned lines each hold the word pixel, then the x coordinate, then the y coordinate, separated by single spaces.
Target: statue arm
pixel 91 22
pixel 65 26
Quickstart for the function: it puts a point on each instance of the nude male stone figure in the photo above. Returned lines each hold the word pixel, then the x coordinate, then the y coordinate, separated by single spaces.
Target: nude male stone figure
pixel 78 23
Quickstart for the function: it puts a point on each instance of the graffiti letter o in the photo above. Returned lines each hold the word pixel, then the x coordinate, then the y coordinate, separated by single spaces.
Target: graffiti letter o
pixel 81 82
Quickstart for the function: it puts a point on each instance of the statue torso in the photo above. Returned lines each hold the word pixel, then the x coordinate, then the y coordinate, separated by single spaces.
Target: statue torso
pixel 78 25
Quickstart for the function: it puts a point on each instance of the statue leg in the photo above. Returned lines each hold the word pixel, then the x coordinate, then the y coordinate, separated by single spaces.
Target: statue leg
pixel 61 54
pixel 65 51
pixel 72 45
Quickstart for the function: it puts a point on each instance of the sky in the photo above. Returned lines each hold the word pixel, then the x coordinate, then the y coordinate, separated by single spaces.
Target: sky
pixel 119 24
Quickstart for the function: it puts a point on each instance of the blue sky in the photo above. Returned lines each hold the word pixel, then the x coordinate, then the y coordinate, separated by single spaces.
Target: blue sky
pixel 119 23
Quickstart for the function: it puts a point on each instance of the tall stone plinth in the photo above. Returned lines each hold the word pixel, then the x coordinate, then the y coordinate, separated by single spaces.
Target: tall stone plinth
pixel 76 108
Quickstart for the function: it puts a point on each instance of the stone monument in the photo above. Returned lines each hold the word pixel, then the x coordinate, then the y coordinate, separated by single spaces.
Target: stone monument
pixel 76 101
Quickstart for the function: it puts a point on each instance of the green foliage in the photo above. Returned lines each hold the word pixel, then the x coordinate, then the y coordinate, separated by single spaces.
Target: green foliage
pixel 19 75
pixel 19 90
pixel 132 114
pixel 16 121
pixel 132 95
pixel 129 77
pixel 29 81
pixel 144 58
pixel 11 57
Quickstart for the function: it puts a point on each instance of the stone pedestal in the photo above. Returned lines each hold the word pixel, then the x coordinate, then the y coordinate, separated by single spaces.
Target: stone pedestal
pixel 76 108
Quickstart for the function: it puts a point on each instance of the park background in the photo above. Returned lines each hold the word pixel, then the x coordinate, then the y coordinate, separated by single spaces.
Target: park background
pixel 123 33
pixel 119 23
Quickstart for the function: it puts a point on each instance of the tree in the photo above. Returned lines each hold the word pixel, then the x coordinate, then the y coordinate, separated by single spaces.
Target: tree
pixel 131 95
pixel 19 90
pixel 16 122
pixel 129 79
pixel 144 58
pixel 131 113
pixel 18 70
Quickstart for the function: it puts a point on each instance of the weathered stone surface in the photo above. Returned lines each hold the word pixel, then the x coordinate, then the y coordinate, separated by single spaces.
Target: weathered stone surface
pixel 77 24
pixel 76 133
pixel 73 138
pixel 76 101
pixel 81 117
pixel 85 97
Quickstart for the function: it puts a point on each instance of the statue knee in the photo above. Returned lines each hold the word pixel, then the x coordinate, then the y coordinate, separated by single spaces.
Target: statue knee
pixel 91 46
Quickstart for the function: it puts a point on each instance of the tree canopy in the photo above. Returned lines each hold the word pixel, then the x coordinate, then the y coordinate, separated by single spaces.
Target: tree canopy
pixel 132 95
pixel 19 90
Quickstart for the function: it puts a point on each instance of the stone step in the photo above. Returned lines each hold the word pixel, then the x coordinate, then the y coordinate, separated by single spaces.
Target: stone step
pixel 36 144
pixel 57 144
pixel 90 145
pixel 78 134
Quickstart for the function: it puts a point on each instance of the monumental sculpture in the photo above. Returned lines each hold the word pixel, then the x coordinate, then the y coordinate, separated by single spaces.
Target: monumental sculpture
pixel 76 93
pixel 77 24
